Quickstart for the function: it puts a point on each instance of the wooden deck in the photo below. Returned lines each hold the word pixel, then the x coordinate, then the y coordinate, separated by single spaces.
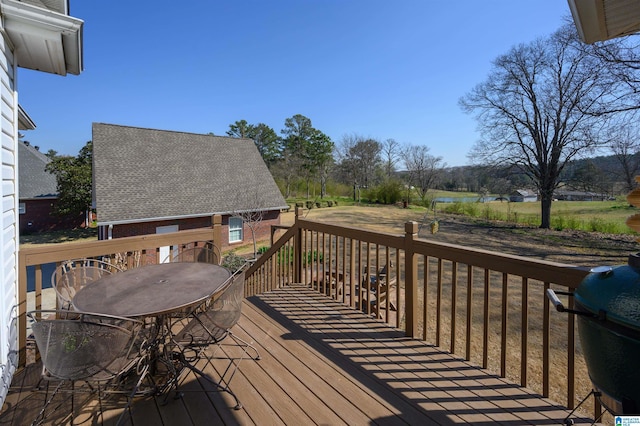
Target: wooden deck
pixel 322 363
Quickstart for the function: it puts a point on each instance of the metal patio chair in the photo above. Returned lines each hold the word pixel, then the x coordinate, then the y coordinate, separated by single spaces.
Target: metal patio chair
pixel 69 277
pixel 98 350
pixel 200 251
pixel 211 324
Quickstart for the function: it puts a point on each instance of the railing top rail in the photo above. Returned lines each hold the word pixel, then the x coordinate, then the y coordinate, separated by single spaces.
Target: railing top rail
pixel 542 270
pixel 60 252
pixel 382 238
pixel 546 271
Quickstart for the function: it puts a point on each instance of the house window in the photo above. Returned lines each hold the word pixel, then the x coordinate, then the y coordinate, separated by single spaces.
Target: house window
pixel 235 229
pixel 22 208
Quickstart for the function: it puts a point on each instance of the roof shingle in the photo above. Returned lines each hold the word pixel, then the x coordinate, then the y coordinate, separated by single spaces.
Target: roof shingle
pixel 34 180
pixel 146 174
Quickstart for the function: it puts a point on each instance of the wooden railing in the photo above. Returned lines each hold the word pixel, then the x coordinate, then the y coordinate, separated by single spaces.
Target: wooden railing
pixel 126 252
pixel 490 308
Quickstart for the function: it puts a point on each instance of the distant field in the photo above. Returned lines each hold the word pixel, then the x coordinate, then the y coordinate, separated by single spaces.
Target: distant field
pixel 600 216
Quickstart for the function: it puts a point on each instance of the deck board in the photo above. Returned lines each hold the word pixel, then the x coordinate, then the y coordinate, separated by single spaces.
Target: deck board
pixel 321 363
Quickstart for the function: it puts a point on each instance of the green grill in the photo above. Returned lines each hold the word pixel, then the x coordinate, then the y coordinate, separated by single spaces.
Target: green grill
pixel 607 306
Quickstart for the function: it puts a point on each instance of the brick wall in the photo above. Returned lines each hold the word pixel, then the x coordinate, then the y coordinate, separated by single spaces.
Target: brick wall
pixel 39 217
pixel 144 228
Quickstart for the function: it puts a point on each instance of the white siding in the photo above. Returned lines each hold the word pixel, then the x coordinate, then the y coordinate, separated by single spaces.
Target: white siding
pixel 8 219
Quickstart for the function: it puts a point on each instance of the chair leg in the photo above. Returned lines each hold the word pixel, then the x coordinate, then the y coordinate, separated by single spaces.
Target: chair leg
pixel 143 375
pixel 221 385
pixel 231 369
pixel 245 345
pixel 42 415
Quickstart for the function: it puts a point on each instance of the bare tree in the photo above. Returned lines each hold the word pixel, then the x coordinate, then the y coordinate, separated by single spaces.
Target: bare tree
pixel 625 147
pixel 359 159
pixel 538 109
pixel 391 155
pixel 252 214
pixel 252 219
pixel 424 169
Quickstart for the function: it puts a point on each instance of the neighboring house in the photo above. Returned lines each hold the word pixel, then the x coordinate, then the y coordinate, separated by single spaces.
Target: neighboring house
pixel 564 195
pixel 39 35
pixel 150 181
pixel 523 196
pixel 37 194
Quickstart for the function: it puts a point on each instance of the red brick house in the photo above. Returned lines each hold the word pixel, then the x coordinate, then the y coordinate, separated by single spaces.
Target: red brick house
pixel 37 194
pixel 150 181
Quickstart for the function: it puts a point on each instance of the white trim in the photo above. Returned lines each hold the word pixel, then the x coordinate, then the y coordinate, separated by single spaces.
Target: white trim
pixel 236 229
pixel 55 29
pixel 158 219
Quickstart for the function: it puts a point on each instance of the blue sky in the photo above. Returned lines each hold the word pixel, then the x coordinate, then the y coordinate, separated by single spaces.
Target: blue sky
pixel 381 69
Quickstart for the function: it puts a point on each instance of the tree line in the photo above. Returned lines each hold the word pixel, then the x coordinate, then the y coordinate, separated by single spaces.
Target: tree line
pixel 304 155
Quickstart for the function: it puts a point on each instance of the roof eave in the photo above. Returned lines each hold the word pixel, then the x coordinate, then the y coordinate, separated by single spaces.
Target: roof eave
pixel 599 20
pixel 43 40
pixel 192 216
pixel 24 121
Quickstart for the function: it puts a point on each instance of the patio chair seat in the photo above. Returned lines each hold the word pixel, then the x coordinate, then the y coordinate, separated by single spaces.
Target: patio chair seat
pixel 76 346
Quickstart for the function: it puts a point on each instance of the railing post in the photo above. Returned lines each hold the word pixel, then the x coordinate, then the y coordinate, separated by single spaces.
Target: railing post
pixel 410 276
pixel 216 224
pixel 22 309
pixel 297 249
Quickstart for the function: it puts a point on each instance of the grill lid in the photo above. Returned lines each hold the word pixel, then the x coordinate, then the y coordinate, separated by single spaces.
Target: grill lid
pixel 613 293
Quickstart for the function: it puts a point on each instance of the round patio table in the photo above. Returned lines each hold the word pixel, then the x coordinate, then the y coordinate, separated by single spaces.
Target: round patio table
pixel 152 290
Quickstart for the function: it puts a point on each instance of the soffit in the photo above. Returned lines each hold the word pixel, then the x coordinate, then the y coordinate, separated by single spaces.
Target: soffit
pixel 43 39
pixel 598 20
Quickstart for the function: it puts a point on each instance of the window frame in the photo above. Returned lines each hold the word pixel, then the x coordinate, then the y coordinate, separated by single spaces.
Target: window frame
pixel 236 228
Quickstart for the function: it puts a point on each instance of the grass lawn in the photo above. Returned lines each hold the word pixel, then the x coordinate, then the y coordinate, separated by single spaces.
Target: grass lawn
pixel 71 235
pixel 601 216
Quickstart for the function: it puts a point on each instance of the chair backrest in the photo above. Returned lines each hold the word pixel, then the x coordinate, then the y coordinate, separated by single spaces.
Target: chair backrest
pixel 212 321
pixel 82 346
pixel 202 252
pixel 70 277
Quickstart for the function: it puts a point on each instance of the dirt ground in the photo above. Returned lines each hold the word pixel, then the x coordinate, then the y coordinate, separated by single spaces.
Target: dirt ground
pixel 579 248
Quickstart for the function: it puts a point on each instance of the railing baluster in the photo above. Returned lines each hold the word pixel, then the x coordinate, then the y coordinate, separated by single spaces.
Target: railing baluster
pixel 425 290
pixel 467 355
pixel 524 326
pixel 352 269
pixel 571 350
pixel 454 294
pixel 399 307
pixel 503 336
pixel 485 336
pixel 439 301
pixel 546 328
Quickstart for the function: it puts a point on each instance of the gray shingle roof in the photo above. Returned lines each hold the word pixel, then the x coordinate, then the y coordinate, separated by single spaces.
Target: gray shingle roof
pixel 33 180
pixel 146 174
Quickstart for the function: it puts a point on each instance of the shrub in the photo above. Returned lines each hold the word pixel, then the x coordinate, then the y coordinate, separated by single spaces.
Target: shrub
pixel 285 256
pixel 389 192
pixel 233 261
pixel 470 209
pixel 454 208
